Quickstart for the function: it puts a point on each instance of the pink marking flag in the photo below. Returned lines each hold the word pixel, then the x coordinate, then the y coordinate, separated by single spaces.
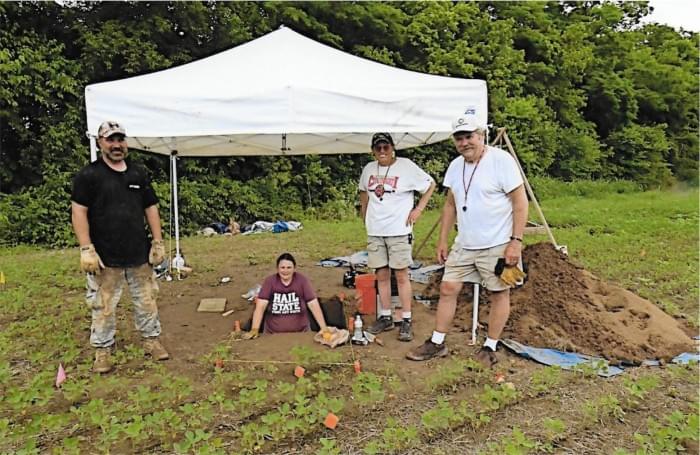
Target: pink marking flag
pixel 60 376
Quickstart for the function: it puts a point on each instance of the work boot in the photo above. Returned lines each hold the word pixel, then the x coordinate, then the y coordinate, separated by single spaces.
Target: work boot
pixel 405 331
pixel 156 350
pixel 103 360
pixel 427 350
pixel 486 357
pixel 382 324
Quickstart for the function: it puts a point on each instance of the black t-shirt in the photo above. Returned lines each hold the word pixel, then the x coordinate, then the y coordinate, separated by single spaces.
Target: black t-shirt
pixel 116 202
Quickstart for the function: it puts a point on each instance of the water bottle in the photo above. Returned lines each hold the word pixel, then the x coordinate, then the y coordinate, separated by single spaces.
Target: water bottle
pixel 358 336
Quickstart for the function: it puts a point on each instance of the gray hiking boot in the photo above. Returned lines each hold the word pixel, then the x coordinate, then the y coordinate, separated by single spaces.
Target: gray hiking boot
pixel 156 350
pixel 427 350
pixel 103 360
pixel 486 357
pixel 405 331
pixel 382 324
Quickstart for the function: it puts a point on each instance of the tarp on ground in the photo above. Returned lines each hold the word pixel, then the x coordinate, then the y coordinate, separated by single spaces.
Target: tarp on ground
pixel 282 94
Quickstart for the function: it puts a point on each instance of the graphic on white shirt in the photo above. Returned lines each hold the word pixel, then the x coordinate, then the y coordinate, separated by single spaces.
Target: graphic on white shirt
pixel 386 216
pixel 285 303
pixel 378 184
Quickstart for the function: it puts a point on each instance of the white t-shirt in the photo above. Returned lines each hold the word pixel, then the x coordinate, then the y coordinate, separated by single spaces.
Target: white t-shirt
pixel 387 212
pixel 488 220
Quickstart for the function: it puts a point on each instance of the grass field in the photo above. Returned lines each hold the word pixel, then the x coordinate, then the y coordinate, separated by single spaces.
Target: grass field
pixel 646 242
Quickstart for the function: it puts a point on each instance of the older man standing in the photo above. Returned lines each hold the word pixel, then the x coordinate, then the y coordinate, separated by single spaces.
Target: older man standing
pixel 487 199
pixel 110 199
pixel 386 200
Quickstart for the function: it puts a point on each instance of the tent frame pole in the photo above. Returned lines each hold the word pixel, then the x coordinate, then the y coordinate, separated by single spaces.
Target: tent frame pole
pixel 93 148
pixel 178 261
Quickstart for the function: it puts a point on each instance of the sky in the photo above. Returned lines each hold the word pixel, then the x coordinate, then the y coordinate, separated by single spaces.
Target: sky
pixel 676 13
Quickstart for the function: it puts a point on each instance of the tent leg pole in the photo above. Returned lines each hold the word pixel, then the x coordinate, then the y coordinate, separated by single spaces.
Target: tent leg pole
pixel 475 314
pixel 178 262
pixel 93 149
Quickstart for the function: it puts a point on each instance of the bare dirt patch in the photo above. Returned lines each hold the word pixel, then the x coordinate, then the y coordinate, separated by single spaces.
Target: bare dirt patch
pixel 560 306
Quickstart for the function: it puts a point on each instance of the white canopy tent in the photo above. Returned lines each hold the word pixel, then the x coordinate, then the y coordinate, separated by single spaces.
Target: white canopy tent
pixel 280 94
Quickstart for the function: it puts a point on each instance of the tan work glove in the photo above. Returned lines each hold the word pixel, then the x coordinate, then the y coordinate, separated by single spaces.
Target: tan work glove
pixel 250 335
pixel 511 275
pixel 332 336
pixel 157 253
pixel 90 261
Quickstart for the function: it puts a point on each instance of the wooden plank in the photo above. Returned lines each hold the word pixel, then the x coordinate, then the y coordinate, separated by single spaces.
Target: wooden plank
pixel 212 305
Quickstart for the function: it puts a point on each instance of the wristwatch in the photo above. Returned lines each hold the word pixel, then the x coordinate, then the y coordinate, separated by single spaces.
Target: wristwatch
pixel 512 237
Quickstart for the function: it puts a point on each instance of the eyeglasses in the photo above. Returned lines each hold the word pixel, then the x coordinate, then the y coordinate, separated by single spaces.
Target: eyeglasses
pixel 379 148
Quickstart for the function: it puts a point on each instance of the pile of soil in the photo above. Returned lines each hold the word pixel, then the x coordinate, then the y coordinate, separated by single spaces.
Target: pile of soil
pixel 562 306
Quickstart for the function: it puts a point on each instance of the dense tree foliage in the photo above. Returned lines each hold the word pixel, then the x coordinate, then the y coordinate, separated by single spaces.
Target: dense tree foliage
pixel 583 88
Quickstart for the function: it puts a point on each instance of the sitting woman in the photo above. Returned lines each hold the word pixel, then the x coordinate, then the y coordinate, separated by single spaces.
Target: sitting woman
pixel 285 301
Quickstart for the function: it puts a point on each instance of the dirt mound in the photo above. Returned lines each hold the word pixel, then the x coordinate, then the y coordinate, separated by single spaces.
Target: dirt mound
pixel 564 307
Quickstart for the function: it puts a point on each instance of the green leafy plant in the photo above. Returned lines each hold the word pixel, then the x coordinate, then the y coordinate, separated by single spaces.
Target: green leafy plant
pixel 544 379
pixel 328 447
pixel 192 438
pixel 448 376
pixel 516 443
pixel 602 408
pixel 672 434
pixel 367 388
pixel 638 389
pixel 496 398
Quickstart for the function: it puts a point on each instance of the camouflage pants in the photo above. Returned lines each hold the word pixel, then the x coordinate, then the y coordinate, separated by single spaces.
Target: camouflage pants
pixel 104 292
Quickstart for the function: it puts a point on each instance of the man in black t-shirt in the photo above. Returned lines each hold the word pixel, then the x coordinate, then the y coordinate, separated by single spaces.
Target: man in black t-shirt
pixel 110 199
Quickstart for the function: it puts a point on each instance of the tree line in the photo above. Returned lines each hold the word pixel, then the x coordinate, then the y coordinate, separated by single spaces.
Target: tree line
pixel 585 90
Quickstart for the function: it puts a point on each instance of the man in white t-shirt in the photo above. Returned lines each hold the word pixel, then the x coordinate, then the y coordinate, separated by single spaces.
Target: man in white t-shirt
pixel 386 205
pixel 487 199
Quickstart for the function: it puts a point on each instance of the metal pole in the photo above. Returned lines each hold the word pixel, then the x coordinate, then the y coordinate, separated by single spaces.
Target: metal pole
pixel 93 148
pixel 178 261
pixel 475 313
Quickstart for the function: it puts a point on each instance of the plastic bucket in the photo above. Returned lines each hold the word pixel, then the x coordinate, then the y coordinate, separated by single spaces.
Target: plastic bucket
pixel 368 297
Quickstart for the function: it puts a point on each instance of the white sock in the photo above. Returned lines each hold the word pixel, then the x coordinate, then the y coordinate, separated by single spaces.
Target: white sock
pixel 438 337
pixel 406 315
pixel 491 343
pixel 384 312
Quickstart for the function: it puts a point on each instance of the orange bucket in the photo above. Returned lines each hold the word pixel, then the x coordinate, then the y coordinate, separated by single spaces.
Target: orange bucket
pixel 368 295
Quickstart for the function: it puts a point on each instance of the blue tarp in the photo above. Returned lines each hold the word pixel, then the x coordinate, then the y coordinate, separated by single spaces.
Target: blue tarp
pixel 358 259
pixel 686 358
pixel 566 360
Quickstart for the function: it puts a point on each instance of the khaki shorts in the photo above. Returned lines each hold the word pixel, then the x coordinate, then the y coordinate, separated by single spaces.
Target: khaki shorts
pixel 475 266
pixel 392 251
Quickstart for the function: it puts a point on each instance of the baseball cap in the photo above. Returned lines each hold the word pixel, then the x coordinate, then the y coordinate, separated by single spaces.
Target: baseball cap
pixel 109 128
pixel 466 123
pixel 382 137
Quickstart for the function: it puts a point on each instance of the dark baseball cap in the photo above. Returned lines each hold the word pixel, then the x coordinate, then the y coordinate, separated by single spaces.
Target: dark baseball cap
pixel 382 137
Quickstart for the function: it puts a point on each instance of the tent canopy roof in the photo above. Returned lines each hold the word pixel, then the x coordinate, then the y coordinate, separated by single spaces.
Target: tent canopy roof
pixel 279 94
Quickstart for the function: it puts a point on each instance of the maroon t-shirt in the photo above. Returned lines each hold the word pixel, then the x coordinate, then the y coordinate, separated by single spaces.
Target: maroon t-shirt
pixel 286 308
